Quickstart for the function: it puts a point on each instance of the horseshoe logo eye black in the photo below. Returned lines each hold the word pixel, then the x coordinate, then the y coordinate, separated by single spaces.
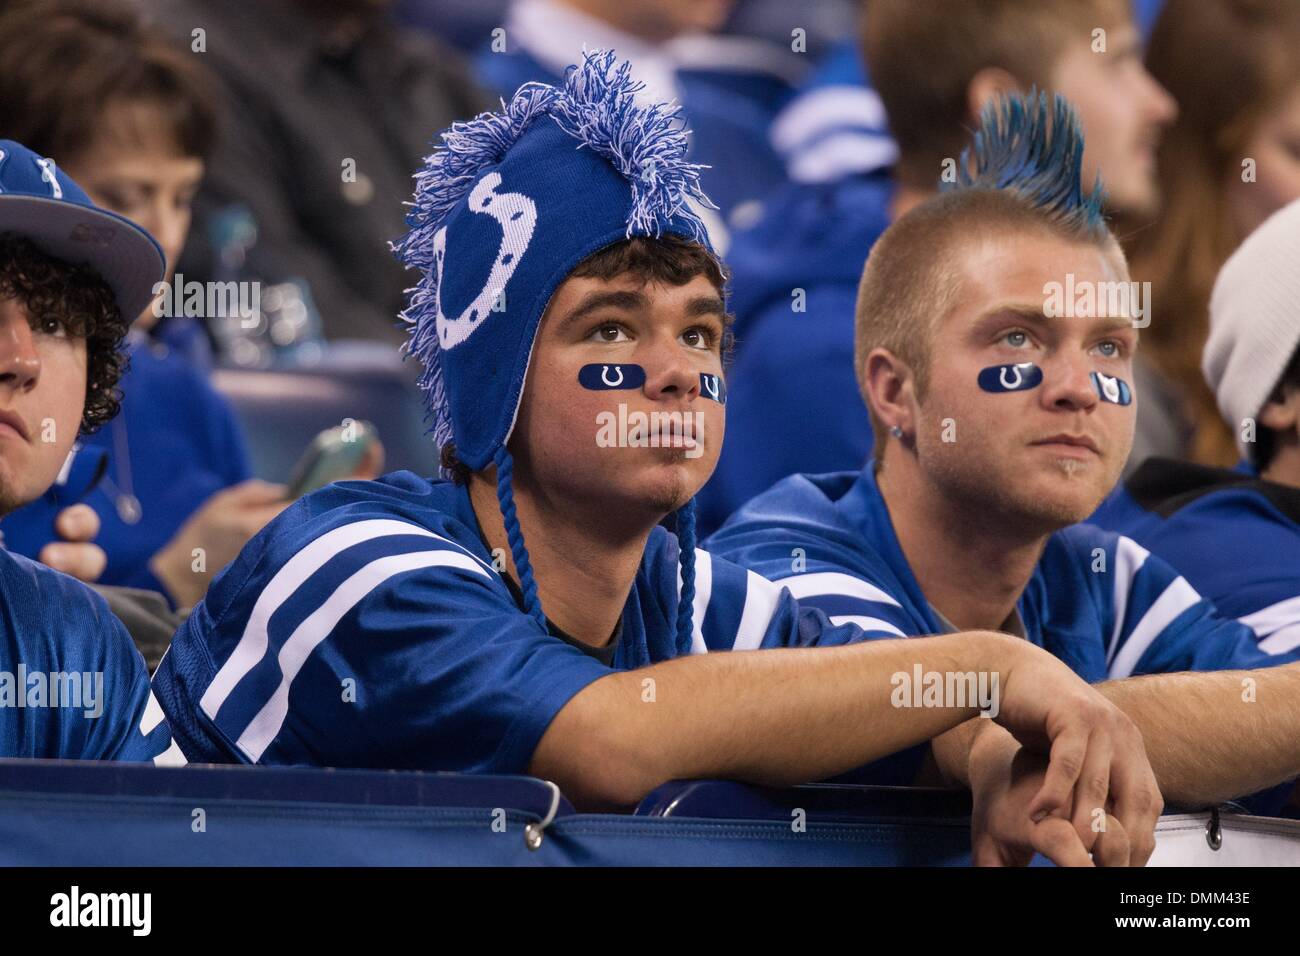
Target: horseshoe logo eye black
pixel 604 376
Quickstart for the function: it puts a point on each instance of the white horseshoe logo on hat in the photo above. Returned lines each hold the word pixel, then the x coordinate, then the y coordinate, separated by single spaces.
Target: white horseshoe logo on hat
pixel 47 174
pixel 517 215
pixel 1010 386
pixel 604 370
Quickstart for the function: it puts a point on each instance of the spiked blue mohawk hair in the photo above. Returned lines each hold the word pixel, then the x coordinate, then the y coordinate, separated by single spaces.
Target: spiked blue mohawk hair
pixel 504 209
pixel 1034 150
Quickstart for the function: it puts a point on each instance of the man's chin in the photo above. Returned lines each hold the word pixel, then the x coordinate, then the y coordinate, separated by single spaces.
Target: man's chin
pixel 10 499
pixel 1062 499
pixel 665 485
pixel 1139 201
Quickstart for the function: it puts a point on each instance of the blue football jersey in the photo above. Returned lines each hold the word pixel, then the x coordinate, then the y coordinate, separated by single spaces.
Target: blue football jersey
pixel 367 626
pixel 1235 536
pixel 72 684
pixel 1097 600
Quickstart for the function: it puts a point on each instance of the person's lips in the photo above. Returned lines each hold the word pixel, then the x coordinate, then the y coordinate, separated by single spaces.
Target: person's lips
pixel 1064 441
pixel 15 423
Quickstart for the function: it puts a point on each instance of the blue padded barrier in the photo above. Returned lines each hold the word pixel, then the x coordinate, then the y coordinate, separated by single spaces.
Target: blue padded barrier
pixel 57 813
pixel 87 814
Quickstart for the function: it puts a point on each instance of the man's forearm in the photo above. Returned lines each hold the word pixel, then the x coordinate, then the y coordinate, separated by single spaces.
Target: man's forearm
pixel 776 717
pixel 1213 736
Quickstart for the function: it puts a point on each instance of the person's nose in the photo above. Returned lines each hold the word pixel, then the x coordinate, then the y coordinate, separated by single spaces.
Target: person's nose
pixel 20 363
pixel 669 372
pixel 166 224
pixel 1160 106
pixel 1067 380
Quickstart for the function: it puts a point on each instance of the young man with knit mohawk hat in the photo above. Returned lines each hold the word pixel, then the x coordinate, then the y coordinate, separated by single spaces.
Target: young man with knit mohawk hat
pixel 1001 421
pixel 525 617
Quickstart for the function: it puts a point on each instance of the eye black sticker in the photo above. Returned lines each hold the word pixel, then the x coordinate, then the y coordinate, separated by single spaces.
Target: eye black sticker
pixel 603 377
pixel 1011 378
pixel 1110 389
pixel 712 386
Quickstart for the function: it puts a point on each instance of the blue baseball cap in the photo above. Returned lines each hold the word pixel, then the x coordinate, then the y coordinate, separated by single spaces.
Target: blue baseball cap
pixel 41 203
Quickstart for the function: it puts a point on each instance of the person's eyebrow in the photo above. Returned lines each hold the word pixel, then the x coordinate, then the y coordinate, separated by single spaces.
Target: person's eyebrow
pixel 1114 323
pixel 623 300
pixel 1034 315
pixel 1011 313
pixel 707 305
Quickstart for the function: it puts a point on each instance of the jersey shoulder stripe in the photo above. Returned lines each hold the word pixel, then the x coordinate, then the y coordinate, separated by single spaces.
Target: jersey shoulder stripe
pixel 298 609
pixel 308 635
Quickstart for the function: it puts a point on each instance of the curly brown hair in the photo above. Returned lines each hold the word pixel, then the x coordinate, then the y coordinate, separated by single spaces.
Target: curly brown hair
pixel 84 303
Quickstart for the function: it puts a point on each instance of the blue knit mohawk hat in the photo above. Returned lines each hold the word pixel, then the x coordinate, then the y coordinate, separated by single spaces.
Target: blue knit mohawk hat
pixel 504 209
pixel 1035 150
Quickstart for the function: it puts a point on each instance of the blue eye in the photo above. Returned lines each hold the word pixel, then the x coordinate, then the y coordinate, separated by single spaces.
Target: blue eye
pixel 1114 347
pixel 1016 339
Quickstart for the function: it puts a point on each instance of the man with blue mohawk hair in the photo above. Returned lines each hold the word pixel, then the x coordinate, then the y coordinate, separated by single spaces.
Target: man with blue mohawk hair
pixel 525 617
pixel 1002 419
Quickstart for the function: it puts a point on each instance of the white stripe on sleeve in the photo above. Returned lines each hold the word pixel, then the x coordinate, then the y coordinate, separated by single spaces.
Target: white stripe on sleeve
pixel 1175 599
pixel 1282 640
pixel 836 584
pixel 318 625
pixel 1283 614
pixel 171 757
pixel 761 597
pixel 253 643
pixel 153 715
pixel 1129 558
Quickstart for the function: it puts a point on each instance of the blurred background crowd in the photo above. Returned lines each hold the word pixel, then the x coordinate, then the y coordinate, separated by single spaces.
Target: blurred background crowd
pixel 272 143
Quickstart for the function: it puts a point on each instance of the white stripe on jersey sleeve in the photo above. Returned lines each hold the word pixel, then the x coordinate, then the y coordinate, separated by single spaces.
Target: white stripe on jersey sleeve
pixel 253 643
pixel 761 597
pixel 153 715
pixel 1275 617
pixel 171 757
pixel 703 591
pixel 1282 640
pixel 868 624
pixel 1173 601
pixel 318 625
pixel 834 583
pixel 1129 558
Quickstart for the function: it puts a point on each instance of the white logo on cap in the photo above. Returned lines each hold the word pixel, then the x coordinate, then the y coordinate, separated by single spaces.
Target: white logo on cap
pixel 47 174
pixel 517 215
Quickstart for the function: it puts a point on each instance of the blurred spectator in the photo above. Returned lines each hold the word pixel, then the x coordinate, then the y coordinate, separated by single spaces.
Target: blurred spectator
pixel 835 126
pixel 795 403
pixel 1235 532
pixel 824 23
pixel 463 25
pixel 729 87
pixel 329 108
pixel 128 115
pixel 1231 160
